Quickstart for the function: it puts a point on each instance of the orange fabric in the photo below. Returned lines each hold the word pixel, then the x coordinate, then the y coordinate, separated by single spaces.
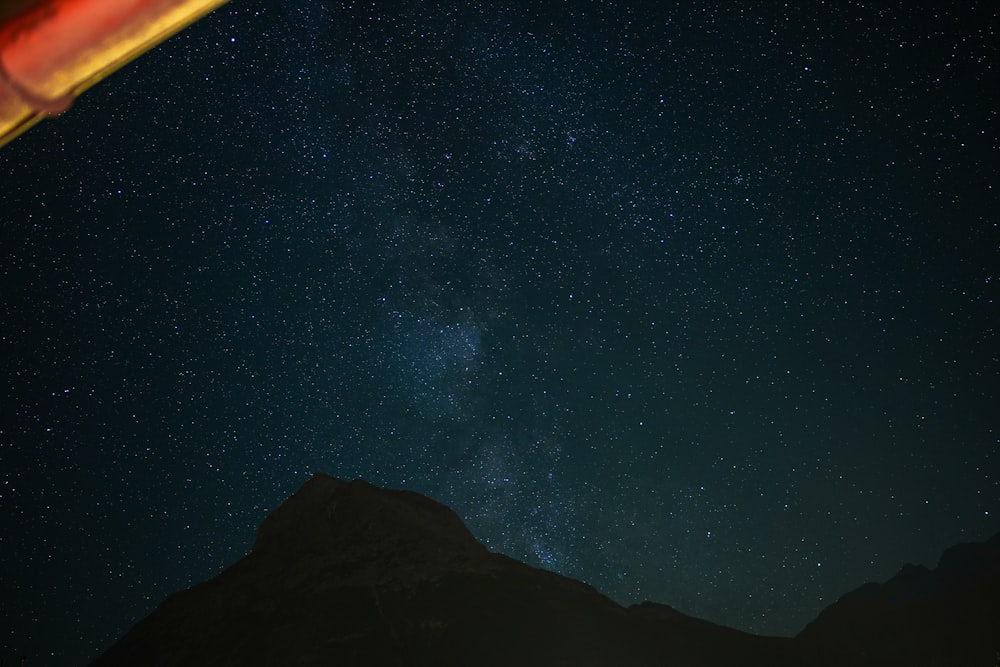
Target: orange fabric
pixel 56 49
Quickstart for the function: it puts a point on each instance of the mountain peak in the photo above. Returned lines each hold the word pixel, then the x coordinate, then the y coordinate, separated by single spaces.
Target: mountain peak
pixel 378 535
pixel 941 616
pixel 348 573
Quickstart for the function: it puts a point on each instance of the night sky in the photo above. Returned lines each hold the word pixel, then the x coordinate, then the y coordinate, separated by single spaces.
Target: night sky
pixel 693 302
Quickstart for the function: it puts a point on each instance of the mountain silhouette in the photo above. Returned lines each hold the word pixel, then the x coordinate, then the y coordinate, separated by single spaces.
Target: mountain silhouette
pixel 346 573
pixel 946 616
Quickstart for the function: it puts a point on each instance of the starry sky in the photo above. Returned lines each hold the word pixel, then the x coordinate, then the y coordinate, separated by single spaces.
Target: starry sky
pixel 692 301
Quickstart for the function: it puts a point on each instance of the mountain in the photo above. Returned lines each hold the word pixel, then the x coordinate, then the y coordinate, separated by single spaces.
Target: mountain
pixel 346 573
pixel 946 616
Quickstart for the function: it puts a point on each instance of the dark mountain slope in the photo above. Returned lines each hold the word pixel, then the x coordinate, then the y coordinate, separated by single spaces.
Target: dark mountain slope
pixel 345 573
pixel 946 616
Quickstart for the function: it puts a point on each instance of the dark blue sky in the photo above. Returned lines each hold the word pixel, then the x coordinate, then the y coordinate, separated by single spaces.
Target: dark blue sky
pixel 697 304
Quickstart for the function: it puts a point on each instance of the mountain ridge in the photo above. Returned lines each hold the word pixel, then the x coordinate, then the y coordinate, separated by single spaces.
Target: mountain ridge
pixel 347 573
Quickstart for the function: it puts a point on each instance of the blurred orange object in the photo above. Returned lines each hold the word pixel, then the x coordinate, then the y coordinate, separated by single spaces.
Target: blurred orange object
pixel 53 50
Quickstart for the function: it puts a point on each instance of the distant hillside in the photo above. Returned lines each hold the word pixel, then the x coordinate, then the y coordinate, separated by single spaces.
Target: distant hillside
pixel 346 573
